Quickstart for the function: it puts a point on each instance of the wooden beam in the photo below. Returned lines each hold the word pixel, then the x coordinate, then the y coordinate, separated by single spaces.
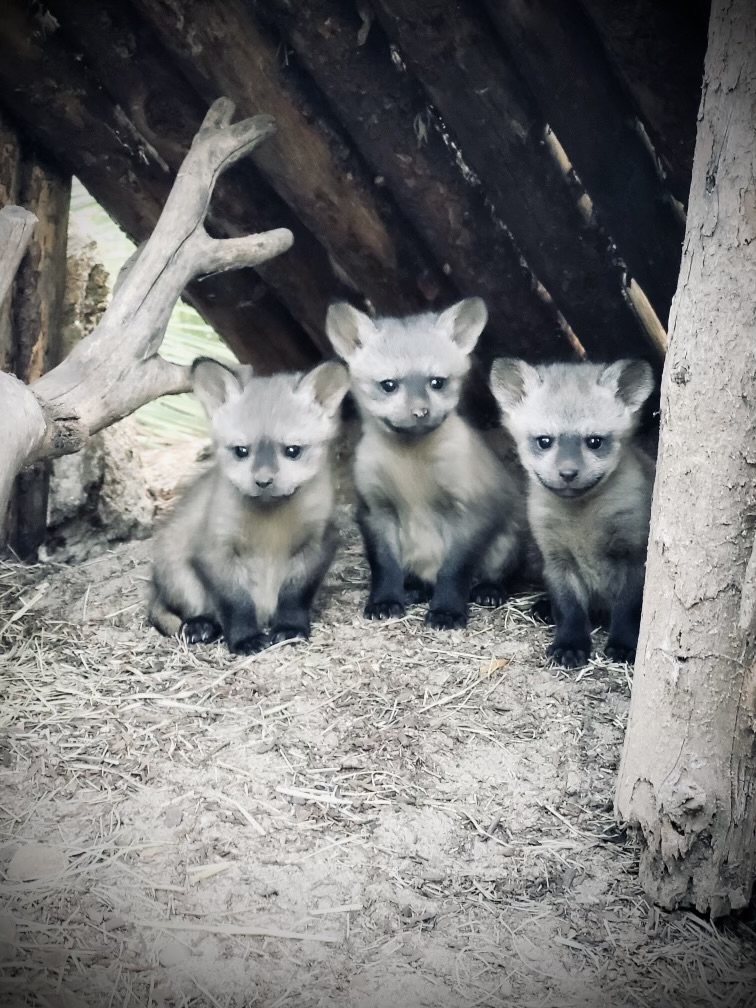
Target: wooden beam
pixel 311 164
pixel 502 137
pixel 10 180
pixel 36 327
pixel 137 72
pixel 388 117
pixel 63 108
pixel 554 40
pixel 659 49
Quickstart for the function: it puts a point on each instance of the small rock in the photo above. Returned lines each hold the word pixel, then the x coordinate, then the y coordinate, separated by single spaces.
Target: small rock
pixel 172 953
pixel 36 862
pixel 173 817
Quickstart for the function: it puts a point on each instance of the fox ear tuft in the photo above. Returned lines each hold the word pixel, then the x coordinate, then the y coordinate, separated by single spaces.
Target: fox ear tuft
pixel 467 320
pixel 632 381
pixel 511 379
pixel 328 383
pixel 346 328
pixel 214 383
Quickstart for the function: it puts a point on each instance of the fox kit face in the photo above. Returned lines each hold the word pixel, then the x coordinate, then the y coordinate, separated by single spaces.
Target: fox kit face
pixel 271 434
pixel 571 421
pixel 407 373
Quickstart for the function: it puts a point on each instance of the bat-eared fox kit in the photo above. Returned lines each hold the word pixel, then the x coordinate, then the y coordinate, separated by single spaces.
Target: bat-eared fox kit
pixel 444 518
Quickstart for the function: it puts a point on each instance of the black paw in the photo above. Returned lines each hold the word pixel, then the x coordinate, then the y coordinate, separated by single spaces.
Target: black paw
pixel 619 652
pixel 488 593
pixel 387 609
pixel 200 630
pixel 569 655
pixel 445 619
pixel 253 644
pixel 541 611
pixel 281 633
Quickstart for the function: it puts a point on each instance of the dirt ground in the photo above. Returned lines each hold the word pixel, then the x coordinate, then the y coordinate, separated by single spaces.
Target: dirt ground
pixel 384 816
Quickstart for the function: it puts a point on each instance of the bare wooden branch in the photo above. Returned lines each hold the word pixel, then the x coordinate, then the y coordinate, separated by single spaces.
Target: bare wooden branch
pixel 117 368
pixel 16 226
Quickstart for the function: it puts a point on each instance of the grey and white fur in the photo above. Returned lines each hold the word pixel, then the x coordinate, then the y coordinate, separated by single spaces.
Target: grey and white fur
pixel 441 516
pixel 249 543
pixel 589 496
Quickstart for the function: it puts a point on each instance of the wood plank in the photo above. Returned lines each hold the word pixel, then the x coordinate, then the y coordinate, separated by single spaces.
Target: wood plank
pixel 310 162
pixel 137 72
pixel 387 115
pixel 63 108
pixel 36 319
pixel 659 49
pixel 502 137
pixel 10 179
pixel 554 40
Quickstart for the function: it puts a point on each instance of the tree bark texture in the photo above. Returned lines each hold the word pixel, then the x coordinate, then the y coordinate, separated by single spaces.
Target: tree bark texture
pixel 688 772
pixel 554 40
pixel 137 72
pixel 503 138
pixel 401 138
pixel 64 109
pixel 658 49
pixel 36 325
pixel 10 180
pixel 311 163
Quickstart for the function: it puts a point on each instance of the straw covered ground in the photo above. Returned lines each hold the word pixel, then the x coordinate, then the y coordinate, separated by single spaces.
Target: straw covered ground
pixel 385 816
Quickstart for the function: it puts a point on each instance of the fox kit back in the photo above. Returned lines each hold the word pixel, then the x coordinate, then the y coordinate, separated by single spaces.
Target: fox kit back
pixel 589 496
pixel 436 508
pixel 250 541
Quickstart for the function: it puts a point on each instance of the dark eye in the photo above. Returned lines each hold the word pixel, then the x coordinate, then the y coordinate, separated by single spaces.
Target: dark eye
pixel 544 442
pixel 293 451
pixel 389 385
pixel 437 383
pixel 241 451
pixel 594 443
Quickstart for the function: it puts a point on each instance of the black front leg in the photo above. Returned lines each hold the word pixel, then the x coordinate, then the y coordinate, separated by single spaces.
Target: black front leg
pixel 292 616
pixel 448 607
pixel 571 647
pixel 625 615
pixel 241 628
pixel 386 596
pixel 236 612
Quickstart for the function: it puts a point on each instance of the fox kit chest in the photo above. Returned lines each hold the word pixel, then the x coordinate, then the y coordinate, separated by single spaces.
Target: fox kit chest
pixel 261 550
pixel 408 484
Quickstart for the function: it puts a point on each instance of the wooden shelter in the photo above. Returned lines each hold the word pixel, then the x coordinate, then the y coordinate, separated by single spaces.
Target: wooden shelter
pixel 535 153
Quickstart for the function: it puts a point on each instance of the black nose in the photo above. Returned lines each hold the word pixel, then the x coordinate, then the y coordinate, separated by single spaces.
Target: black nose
pixel 568 475
pixel 263 483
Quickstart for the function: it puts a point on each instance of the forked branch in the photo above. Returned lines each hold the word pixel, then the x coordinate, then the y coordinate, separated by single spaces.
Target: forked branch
pixel 117 368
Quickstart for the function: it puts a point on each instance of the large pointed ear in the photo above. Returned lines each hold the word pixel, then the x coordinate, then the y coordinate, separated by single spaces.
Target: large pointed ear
pixel 466 321
pixel 632 381
pixel 328 384
pixel 511 380
pixel 214 383
pixel 346 327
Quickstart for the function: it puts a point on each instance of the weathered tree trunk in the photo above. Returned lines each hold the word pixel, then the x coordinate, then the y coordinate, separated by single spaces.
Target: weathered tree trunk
pixel 688 772
pixel 118 368
pixel 35 329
